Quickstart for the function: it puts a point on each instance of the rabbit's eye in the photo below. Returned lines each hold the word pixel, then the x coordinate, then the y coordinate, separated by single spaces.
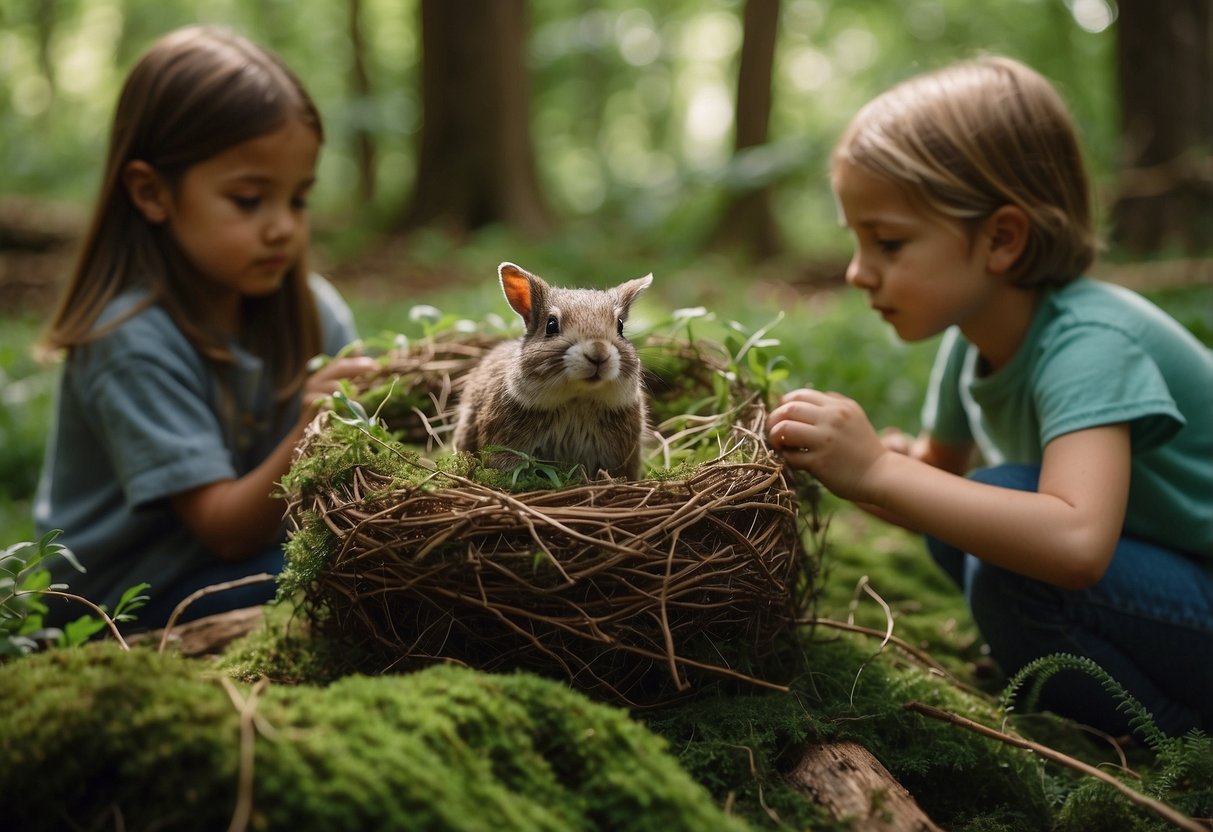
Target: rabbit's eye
pixel 553 325
pixel 619 326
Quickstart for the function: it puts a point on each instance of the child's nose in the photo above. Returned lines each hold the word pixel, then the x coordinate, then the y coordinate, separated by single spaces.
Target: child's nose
pixel 859 274
pixel 284 223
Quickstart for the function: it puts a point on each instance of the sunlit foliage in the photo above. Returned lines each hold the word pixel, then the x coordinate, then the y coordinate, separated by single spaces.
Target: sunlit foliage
pixel 632 102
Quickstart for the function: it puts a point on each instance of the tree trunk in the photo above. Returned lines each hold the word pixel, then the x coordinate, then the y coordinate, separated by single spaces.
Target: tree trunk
pixel 45 15
pixel 856 789
pixel 748 220
pixel 360 82
pixel 476 160
pixel 1165 78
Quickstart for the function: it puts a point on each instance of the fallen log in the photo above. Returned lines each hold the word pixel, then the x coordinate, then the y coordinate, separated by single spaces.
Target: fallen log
pixel 855 788
pixel 206 636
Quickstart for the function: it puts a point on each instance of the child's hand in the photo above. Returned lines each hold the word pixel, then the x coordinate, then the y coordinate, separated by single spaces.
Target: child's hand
pixel 897 441
pixel 828 435
pixel 323 382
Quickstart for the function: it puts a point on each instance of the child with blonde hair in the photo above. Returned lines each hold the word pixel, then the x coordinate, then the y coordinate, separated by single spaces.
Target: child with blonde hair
pixel 1089 530
pixel 188 326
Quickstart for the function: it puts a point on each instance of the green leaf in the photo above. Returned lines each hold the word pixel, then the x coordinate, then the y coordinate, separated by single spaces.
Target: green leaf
pixel 130 601
pixel 353 406
pixel 79 631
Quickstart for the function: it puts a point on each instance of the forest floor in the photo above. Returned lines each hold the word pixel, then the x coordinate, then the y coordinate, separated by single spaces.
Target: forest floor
pixel 873 575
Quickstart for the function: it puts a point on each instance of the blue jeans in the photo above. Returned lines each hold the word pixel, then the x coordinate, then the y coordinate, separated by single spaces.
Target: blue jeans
pixel 165 599
pixel 1148 622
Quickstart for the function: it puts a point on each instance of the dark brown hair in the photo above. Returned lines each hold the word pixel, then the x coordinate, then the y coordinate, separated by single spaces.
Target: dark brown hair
pixel 195 93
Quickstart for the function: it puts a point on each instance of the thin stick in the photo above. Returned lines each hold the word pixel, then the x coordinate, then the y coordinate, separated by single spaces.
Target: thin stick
pixel 888 634
pixel 771 813
pixel 208 590
pixel 922 656
pixel 244 791
pixel 1167 813
pixel 109 621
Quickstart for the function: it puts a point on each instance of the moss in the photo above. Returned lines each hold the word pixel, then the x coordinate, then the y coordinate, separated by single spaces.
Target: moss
pixel 283 650
pixel 96 734
pixel 738 742
pixel 308 553
pixel 95 731
pixel 963 781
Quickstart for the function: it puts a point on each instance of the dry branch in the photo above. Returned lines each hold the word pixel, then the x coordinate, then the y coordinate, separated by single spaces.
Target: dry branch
pixel 1168 813
pixel 855 788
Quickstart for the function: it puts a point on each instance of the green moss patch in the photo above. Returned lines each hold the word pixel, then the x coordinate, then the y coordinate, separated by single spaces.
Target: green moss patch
pixel 97 736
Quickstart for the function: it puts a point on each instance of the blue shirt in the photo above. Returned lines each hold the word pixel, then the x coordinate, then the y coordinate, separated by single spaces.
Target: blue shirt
pixel 140 416
pixel 1096 354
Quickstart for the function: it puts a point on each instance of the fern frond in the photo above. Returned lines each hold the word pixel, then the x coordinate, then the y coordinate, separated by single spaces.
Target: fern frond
pixel 1039 671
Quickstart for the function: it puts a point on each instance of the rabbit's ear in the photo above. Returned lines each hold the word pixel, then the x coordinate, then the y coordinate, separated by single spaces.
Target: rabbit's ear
pixel 523 290
pixel 627 292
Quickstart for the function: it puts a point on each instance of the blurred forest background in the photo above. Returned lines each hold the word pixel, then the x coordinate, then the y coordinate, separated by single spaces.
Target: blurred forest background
pixel 597 141
pixel 676 126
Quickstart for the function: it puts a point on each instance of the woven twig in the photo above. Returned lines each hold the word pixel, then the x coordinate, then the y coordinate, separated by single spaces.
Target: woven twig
pixel 632 590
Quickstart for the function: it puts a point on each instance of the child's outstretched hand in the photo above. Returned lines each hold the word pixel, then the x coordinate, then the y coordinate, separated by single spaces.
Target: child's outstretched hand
pixel 829 436
pixel 323 382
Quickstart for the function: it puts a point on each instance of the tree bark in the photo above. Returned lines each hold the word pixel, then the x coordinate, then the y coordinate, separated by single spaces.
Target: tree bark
pixel 476 161
pixel 748 220
pixel 206 636
pixel 1165 81
pixel 360 82
pixel 855 788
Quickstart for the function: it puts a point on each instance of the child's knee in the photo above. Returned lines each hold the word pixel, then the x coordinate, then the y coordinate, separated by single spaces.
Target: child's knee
pixel 1011 610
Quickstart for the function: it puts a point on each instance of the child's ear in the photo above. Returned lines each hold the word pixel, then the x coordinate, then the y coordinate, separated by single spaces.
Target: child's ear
pixel 1007 230
pixel 147 191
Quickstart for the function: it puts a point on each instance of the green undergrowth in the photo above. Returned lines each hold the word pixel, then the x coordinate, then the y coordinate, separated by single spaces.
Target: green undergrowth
pixel 155 742
pixel 871 572
pixel 739 742
pixel 96 738
pixel 745 743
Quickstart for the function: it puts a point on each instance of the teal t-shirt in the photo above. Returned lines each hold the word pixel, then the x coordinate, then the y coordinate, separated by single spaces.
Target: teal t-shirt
pixel 1095 354
pixel 140 416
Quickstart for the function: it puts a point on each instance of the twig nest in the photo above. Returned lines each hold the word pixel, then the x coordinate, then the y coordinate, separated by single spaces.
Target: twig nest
pixel 633 591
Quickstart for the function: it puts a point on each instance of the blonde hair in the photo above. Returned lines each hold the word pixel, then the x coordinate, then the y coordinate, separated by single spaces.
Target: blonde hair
pixel 195 93
pixel 975 136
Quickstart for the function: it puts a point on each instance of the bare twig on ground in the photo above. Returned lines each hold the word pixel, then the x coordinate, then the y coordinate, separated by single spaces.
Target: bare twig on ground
pixel 104 616
pixel 1167 813
pixel 208 590
pixel 248 734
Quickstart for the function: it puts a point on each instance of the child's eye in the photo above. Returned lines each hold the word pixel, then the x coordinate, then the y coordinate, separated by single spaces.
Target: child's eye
pixel 889 246
pixel 246 203
pixel 299 203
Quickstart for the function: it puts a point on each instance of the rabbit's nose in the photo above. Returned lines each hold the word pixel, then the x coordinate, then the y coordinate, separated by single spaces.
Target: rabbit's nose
pixel 598 352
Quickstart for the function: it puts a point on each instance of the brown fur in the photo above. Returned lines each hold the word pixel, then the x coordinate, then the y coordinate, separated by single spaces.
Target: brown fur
pixel 533 395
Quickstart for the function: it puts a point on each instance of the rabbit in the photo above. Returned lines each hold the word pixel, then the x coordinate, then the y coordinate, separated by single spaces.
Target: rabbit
pixel 569 390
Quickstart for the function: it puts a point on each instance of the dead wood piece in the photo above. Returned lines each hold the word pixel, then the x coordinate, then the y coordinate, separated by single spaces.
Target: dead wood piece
pixel 209 635
pixel 854 787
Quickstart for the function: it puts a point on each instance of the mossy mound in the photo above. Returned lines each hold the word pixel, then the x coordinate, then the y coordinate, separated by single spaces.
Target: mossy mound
pixel 745 744
pixel 740 742
pixel 97 736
